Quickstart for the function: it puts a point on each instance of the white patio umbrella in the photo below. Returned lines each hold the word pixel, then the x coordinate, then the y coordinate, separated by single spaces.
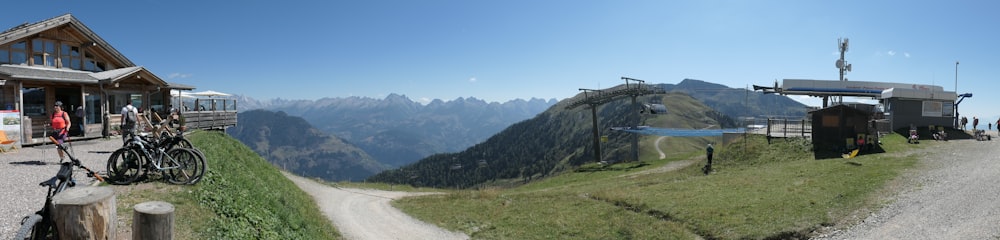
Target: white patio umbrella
pixel 210 93
pixel 179 94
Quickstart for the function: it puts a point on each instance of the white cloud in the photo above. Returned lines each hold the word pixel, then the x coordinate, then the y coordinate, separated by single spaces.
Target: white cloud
pixel 891 53
pixel 906 54
pixel 178 75
pixel 808 100
pixel 424 100
pixel 473 79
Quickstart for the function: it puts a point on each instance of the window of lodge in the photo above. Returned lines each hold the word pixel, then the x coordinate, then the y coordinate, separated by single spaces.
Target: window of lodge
pixel 91 64
pixel 34 102
pixel 4 55
pixel 70 57
pixel 19 52
pixel 43 52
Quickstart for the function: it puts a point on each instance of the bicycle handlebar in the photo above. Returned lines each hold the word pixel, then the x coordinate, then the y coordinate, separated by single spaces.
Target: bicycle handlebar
pixel 76 162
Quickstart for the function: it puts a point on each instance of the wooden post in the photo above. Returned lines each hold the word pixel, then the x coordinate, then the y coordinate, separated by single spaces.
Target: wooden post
pixel 85 213
pixel 153 220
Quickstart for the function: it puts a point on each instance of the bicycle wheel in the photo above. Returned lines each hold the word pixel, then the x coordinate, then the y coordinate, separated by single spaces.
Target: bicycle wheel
pixel 28 230
pixel 202 163
pixel 182 165
pixel 184 143
pixel 124 166
pixel 178 142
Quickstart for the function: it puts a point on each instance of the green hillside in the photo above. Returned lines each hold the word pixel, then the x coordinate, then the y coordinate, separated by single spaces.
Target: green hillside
pixel 241 196
pixel 759 191
pixel 556 141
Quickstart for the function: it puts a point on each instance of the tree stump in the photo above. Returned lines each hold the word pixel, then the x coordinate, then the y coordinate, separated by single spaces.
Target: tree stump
pixel 85 213
pixel 153 220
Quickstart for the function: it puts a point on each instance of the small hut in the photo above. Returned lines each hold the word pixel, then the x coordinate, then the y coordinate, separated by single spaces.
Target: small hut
pixel 836 129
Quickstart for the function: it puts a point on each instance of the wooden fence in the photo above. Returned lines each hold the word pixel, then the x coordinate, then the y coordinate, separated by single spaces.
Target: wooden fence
pixel 209 119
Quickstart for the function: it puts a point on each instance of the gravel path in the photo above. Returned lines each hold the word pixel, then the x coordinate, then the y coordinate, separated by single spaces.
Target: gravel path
pixel 953 195
pixel 23 170
pixel 367 214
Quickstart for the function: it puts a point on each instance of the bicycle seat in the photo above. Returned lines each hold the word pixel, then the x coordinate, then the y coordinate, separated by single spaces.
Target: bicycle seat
pixel 65 171
pixel 49 183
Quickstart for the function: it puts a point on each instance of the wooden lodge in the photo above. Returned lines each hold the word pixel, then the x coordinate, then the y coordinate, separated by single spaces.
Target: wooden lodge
pixel 61 59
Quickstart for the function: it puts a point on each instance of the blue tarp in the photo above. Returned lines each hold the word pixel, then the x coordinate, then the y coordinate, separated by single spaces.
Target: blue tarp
pixel 683 132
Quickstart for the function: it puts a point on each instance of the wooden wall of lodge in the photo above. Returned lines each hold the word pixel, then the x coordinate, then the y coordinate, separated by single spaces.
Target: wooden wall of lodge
pixel 209 119
pixel 217 120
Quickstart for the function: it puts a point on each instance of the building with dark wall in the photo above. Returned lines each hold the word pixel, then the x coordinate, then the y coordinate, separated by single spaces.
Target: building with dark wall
pixel 834 128
pixel 905 107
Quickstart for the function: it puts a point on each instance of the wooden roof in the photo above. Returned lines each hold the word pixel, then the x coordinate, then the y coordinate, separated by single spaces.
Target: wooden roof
pixel 70 25
pixel 68 28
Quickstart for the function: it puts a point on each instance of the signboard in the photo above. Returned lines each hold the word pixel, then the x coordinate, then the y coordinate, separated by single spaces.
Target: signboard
pixel 10 124
pixel 932 109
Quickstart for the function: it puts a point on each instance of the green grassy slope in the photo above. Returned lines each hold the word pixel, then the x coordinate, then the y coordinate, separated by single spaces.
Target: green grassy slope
pixel 759 191
pixel 241 196
pixel 552 142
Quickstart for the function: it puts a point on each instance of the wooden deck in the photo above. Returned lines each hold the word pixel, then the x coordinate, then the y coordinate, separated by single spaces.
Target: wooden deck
pixel 210 119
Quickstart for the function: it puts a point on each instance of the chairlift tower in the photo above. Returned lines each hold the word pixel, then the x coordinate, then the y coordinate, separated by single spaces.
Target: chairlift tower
pixel 592 98
pixel 595 98
pixel 634 91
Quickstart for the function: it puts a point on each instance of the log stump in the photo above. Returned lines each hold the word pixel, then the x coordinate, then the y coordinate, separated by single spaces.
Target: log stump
pixel 153 220
pixel 85 213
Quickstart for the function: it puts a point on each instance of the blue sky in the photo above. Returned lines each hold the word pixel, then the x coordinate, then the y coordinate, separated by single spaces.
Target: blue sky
pixel 502 50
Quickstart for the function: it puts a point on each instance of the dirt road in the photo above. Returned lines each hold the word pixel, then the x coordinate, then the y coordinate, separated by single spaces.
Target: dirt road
pixel 367 214
pixel 954 194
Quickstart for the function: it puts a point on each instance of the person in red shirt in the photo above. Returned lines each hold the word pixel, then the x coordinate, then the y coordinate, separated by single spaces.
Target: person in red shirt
pixel 60 126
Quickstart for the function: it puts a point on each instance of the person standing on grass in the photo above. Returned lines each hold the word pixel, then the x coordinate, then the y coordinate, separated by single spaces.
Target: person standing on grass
pixel 708 152
pixel 60 127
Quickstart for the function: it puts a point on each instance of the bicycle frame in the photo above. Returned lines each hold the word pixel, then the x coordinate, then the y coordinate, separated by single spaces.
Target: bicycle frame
pixel 57 184
pixel 155 154
pixel 40 225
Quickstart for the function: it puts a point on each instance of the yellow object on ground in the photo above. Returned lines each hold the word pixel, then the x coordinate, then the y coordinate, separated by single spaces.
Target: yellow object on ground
pixel 852 154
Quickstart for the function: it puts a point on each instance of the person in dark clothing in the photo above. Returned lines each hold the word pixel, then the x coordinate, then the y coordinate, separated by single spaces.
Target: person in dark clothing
pixel 708 152
pixel 80 114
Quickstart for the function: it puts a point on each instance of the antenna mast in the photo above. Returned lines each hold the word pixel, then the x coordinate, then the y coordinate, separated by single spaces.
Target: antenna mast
pixel 842 64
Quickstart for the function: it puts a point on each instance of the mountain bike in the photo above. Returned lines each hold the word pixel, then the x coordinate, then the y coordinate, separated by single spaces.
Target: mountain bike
pixel 40 225
pixel 140 156
pixel 169 139
pixel 168 142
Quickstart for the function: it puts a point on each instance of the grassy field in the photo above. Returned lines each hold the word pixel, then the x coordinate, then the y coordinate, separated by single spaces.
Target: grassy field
pixel 240 197
pixel 758 191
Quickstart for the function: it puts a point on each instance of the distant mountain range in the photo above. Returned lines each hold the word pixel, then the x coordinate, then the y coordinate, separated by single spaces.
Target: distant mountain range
pixel 398 131
pixel 519 138
pixel 291 143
